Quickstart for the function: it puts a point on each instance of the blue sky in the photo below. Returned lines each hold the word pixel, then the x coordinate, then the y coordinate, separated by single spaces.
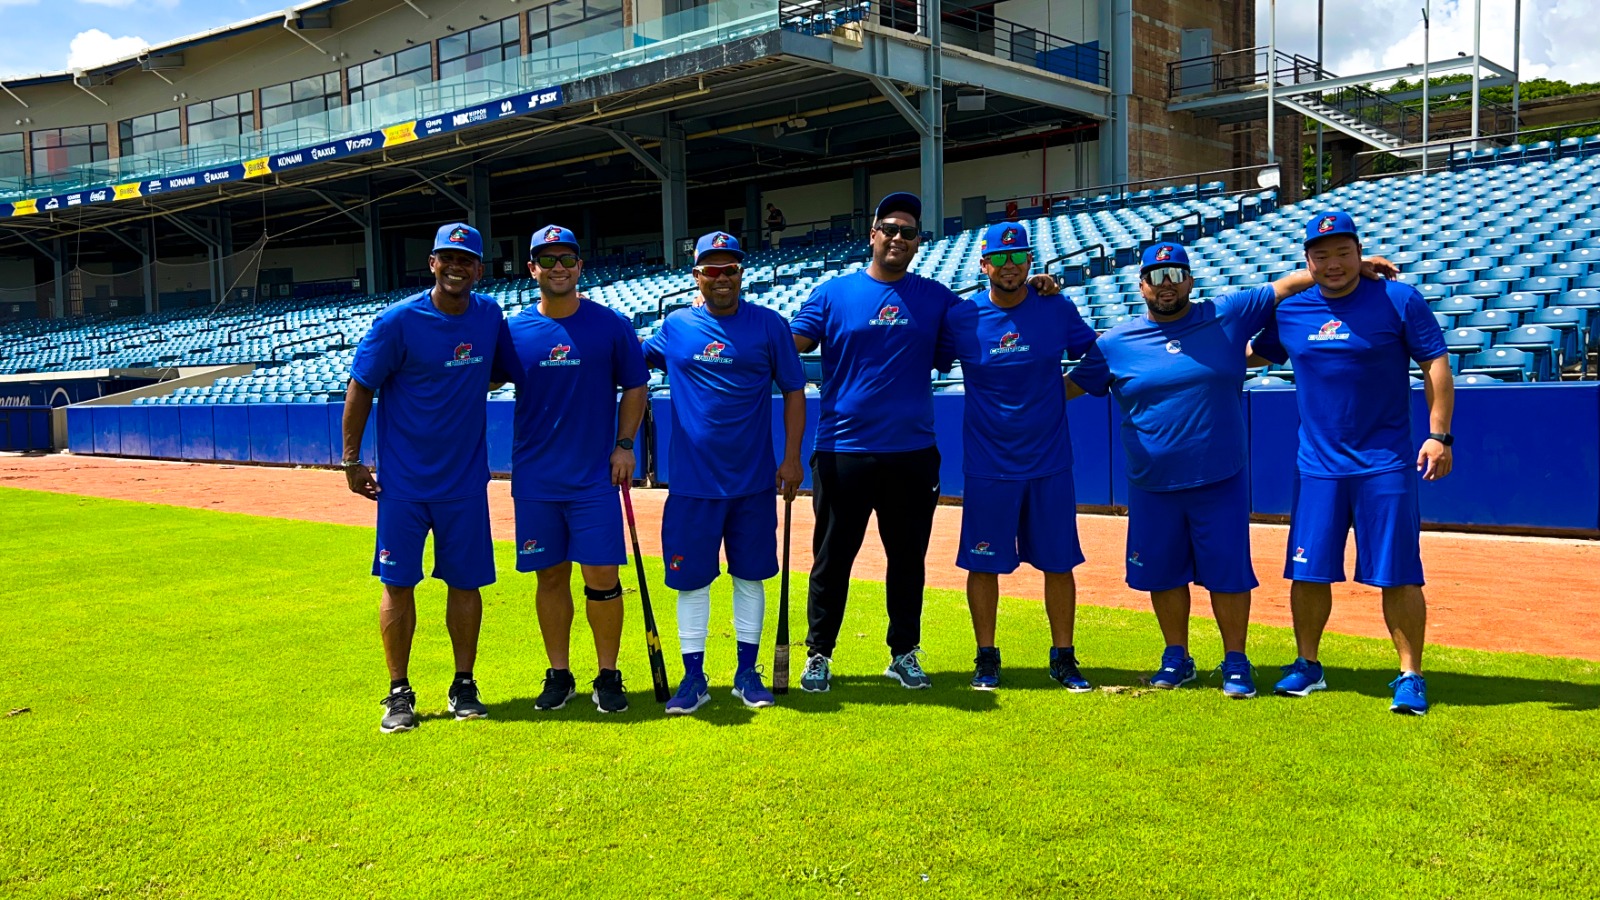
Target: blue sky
pixel 1361 35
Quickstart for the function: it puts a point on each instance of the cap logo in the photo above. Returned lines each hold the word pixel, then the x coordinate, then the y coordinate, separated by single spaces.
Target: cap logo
pixel 1009 236
pixel 458 236
pixel 552 234
pixel 720 241
pixel 1326 225
pixel 1164 253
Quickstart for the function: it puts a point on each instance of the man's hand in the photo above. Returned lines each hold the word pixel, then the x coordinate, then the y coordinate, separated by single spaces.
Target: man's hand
pixel 1377 268
pixel 361 482
pixel 622 466
pixel 1434 460
pixel 790 474
pixel 1044 285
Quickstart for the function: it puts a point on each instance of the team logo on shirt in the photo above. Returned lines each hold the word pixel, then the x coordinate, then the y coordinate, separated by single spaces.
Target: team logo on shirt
pixel 981 548
pixel 1163 253
pixel 1300 555
pixel 383 558
pixel 677 562
pixel 1134 559
pixel 1174 346
pixel 889 315
pixel 463 356
pixel 713 354
pixel 458 236
pixel 558 357
pixel 1326 225
pixel 1330 332
pixel 1010 342
pixel 529 548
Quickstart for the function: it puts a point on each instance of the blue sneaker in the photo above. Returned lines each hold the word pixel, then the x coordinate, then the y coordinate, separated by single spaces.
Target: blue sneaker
pixel 1410 695
pixel 987 676
pixel 818 675
pixel 747 687
pixel 1064 670
pixel 1300 678
pixel 1177 669
pixel 692 694
pixel 1238 677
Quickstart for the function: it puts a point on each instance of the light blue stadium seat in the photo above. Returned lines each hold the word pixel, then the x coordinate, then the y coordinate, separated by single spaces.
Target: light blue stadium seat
pixel 1491 320
pixel 1504 363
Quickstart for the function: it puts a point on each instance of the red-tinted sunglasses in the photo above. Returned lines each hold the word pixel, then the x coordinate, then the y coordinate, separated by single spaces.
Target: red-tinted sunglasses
pixel 730 270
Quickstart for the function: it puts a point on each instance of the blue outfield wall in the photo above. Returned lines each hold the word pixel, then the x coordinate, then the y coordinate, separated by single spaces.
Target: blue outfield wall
pixel 25 428
pixel 1527 456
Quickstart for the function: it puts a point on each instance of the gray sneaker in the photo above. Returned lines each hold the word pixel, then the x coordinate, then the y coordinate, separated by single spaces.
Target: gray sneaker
pixel 818 674
pixel 402 714
pixel 907 669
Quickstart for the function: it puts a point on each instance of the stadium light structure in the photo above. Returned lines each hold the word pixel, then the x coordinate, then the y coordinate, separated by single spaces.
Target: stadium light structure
pixel 1272 80
pixel 1477 64
pixel 1427 29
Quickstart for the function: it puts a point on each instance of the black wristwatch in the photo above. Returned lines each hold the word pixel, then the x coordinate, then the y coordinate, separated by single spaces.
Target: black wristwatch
pixel 1445 439
pixel 625 444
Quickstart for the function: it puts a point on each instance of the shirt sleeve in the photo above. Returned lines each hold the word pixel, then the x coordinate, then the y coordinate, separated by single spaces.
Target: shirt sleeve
pixel 654 347
pixel 506 367
pixel 786 368
pixel 808 322
pixel 1424 337
pixel 628 360
pixel 1251 308
pixel 380 353
pixel 1267 344
pixel 1080 336
pixel 1093 374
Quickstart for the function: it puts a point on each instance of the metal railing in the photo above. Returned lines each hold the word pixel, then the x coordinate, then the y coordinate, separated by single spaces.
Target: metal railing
pixel 1458 152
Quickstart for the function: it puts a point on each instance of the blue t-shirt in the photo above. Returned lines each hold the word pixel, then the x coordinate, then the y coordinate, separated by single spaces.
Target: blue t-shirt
pixel 431 373
pixel 1179 385
pixel 878 344
pixel 1351 373
pixel 1015 424
pixel 567 372
pixel 722 369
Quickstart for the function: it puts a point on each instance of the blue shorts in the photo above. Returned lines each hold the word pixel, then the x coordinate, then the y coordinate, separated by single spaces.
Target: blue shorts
pixel 1386 513
pixel 1006 523
pixel 694 529
pixel 587 531
pixel 463 548
pixel 1199 534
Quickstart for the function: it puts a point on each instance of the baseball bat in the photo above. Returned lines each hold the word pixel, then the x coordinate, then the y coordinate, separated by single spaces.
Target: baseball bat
pixel 652 637
pixel 780 650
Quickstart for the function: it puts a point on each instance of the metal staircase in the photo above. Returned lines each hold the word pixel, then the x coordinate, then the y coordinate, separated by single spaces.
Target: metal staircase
pixel 1333 117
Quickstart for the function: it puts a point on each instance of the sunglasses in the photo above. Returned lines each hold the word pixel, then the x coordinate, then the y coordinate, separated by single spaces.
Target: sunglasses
pixel 713 272
pixel 1164 274
pixel 568 260
pixel 906 232
pixel 1015 257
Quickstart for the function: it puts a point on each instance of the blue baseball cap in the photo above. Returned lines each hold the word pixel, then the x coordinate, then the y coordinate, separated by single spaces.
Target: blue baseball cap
pixel 899 201
pixel 717 242
pixel 1003 236
pixel 553 236
pixel 1329 223
pixel 459 236
pixel 1165 253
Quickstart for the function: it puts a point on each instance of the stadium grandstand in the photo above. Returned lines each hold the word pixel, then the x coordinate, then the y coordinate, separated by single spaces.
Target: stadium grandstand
pixel 204 231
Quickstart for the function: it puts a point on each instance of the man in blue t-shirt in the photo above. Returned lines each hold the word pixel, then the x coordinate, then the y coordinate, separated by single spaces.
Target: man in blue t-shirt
pixel 429 358
pixel 1019 503
pixel 572 446
pixel 875 450
pixel 1176 372
pixel 1352 342
pixel 722 357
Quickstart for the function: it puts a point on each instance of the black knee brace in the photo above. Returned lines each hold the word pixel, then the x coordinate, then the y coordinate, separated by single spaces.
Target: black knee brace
pixel 598 596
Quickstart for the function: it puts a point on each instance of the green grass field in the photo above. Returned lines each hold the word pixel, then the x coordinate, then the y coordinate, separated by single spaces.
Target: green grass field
pixel 203 720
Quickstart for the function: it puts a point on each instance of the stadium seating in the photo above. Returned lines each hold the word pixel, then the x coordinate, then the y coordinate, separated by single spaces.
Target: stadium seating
pixel 1507 255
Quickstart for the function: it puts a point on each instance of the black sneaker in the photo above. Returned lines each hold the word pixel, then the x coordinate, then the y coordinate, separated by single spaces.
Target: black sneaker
pixel 987 676
pixel 402 714
pixel 609 697
pixel 559 687
pixel 464 701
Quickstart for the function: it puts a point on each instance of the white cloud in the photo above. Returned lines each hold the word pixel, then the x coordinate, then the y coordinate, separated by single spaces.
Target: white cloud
pixel 94 47
pixel 1363 35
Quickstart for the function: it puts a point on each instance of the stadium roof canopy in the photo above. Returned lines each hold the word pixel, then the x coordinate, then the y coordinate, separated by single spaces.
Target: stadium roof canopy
pixel 283 18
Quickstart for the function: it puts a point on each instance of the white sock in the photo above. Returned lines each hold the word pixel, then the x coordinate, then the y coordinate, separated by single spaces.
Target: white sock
pixel 749 609
pixel 694 615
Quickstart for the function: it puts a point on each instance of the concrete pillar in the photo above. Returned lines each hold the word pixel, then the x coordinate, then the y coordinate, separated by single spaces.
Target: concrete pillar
pixel 861 199
pixel 674 193
pixel 372 235
pixel 1288 145
pixel 1116 35
pixel 930 104
pixel 58 298
pixel 477 191
pixel 755 216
